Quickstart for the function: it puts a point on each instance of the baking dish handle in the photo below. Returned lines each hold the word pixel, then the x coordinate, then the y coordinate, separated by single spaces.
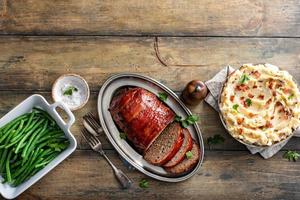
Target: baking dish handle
pixel 71 118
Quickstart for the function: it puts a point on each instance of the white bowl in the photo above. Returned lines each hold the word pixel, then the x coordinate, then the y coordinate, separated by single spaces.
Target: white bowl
pixel 26 106
pixel 82 96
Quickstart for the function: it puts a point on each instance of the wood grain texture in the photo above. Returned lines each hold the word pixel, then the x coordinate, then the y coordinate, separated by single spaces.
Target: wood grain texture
pixel 235 175
pixel 37 61
pixel 136 17
pixel 77 39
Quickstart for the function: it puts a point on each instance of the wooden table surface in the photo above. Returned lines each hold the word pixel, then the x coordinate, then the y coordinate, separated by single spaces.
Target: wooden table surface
pixel 173 41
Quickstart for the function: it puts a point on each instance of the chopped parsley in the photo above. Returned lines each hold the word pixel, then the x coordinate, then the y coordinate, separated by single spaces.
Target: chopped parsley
pixel 162 96
pixel 177 118
pixel 244 78
pixel 291 96
pixel 123 135
pixel 144 183
pixel 189 155
pixel 184 124
pixel 59 146
pixel 69 91
pixel 235 106
pixel 248 102
pixel 191 119
pixel 216 139
pixel 291 155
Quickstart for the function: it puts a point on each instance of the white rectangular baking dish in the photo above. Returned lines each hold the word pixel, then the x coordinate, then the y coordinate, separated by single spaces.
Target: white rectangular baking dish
pixel 26 106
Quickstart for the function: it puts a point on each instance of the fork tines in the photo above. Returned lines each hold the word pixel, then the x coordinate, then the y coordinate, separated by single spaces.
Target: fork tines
pixel 91 139
pixel 90 119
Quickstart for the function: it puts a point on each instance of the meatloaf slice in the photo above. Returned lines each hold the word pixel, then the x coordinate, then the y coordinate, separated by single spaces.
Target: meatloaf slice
pixel 188 163
pixel 186 146
pixel 165 146
pixel 141 115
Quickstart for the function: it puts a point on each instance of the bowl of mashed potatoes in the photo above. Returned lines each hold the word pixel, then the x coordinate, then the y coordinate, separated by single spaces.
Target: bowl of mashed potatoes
pixel 260 105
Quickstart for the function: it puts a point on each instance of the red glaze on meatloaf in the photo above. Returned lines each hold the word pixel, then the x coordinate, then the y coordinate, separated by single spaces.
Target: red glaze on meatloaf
pixel 186 146
pixel 141 115
pixel 166 145
pixel 188 163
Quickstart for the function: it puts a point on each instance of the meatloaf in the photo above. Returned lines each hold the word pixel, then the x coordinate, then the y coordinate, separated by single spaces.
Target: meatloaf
pixel 188 163
pixel 185 147
pixel 141 115
pixel 165 146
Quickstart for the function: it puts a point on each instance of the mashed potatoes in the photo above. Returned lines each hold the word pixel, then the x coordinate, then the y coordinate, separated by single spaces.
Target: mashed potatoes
pixel 260 104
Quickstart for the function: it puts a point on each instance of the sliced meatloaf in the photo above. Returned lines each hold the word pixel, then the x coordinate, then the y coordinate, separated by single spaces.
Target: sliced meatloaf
pixel 185 147
pixel 188 163
pixel 141 115
pixel 165 146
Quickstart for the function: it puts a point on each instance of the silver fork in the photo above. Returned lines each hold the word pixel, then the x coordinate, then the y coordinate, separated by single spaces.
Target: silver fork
pixel 96 145
pixel 90 119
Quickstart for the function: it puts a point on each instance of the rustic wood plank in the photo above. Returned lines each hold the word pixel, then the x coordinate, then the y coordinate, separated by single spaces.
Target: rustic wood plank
pixel 224 175
pixel 136 17
pixel 209 123
pixel 37 61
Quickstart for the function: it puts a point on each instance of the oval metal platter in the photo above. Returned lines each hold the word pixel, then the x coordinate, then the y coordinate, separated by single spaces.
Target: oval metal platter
pixel 113 84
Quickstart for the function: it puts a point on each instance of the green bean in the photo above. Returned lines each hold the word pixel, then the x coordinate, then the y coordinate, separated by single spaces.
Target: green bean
pixel 10 124
pixel 23 167
pixel 27 144
pixel 8 133
pixel 2 161
pixel 29 120
pixel 1 156
pixel 48 160
pixel 13 143
pixel 34 171
pixel 39 131
pixel 34 142
pixel 8 174
pixel 16 164
pixel 30 126
pixel 46 115
pixel 22 175
pixel 48 136
pixel 27 135
pixel 8 139
pixel 42 164
pixel 12 135
pixel 51 141
pixel 21 135
pixel 45 153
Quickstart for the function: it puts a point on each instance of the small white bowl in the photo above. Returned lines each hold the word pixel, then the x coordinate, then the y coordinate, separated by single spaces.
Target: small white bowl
pixel 78 98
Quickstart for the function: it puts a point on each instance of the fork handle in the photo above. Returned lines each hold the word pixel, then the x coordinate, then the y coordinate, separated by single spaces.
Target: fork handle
pixel 121 177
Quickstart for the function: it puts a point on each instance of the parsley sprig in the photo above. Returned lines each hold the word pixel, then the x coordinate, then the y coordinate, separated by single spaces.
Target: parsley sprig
pixel 59 146
pixel 244 78
pixel 291 155
pixel 191 119
pixel 69 91
pixel 163 96
pixel 235 107
pixel 144 183
pixel 248 102
pixel 189 155
pixel 123 135
pixel 216 139
pixel 291 96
